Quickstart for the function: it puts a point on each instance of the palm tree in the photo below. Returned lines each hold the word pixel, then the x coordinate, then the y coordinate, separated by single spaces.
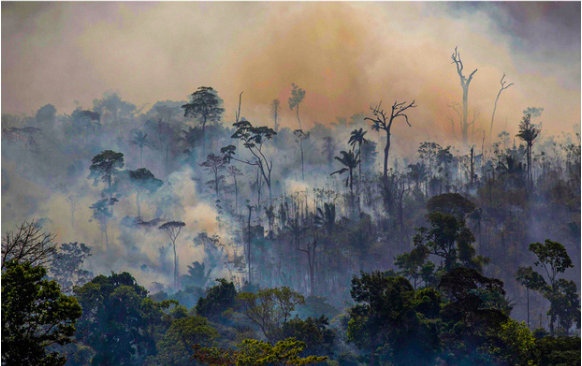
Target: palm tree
pixel 326 217
pixel 350 161
pixel 528 132
pixel 139 139
pixel 357 138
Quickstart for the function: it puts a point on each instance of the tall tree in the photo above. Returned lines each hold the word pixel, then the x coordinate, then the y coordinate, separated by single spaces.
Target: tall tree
pixel 206 105
pixel 216 164
pixel 105 167
pixel 297 96
pixel 553 258
pixel 528 132
pixel 139 139
pixel 144 181
pixel 465 82
pixel 350 162
pixel 275 109
pixel 301 137
pixel 357 138
pixel 504 86
pixel 253 139
pixel 383 121
pixel 172 229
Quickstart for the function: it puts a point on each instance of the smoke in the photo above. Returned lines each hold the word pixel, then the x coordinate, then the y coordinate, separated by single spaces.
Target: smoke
pixel 347 56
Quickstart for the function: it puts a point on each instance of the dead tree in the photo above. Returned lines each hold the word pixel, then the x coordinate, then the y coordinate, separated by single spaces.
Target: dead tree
pixel 383 122
pixel 465 82
pixel 275 104
pixel 504 86
pixel 28 243
pixel 310 251
pixel 237 113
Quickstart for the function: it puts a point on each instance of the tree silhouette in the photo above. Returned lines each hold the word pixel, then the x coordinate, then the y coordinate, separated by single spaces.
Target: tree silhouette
pixel 350 162
pixel 205 105
pixel 504 86
pixel 357 138
pixel 144 181
pixel 297 96
pixel 139 139
pixel 465 82
pixel 528 132
pixel 172 229
pixel 382 121
pixel 275 108
pixel 301 136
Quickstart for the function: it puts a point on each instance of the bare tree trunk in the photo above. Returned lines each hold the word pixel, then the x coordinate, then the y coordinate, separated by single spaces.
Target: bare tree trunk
pixel 386 152
pixel 175 266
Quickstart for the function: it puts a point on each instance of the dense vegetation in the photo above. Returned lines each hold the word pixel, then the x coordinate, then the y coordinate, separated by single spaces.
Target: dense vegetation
pixel 319 246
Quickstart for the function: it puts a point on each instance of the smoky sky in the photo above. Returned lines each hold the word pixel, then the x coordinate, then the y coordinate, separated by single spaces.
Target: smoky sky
pixel 347 56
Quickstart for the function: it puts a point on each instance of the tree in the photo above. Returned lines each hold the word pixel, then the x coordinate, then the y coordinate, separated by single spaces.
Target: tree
pixel 234 172
pixel 144 181
pixel 297 96
pixel 450 204
pixel 139 139
pixel 449 239
pixel 275 108
pixel 350 161
pixel 326 217
pixel 504 86
pixel 386 324
pixel 301 137
pixel 105 167
pixel 172 229
pixel 269 309
pixel 465 82
pixel 102 213
pixel 553 258
pixel 328 148
pixel 35 315
pixel 66 266
pixel 528 132
pixel 475 308
pixel 381 121
pixel 252 352
pixel 218 299
pixel 357 138
pixel 28 243
pixel 416 268
pixel 529 278
pixel 118 320
pixel 216 164
pixel 253 139
pixel 204 104
pixel 175 346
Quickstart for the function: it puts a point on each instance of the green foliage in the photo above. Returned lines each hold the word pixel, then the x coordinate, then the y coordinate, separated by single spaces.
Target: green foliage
pixel 269 309
pixel 118 319
pixel 559 351
pixel 385 323
pixel 218 299
pixel 314 332
pixel 513 344
pixel 252 352
pixel 451 240
pixel 553 258
pixel 175 346
pixel 35 315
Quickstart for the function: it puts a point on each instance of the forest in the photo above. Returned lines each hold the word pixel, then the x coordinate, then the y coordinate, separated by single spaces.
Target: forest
pixel 168 234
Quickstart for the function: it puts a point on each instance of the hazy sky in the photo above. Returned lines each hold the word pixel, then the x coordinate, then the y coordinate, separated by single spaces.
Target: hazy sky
pixel 347 56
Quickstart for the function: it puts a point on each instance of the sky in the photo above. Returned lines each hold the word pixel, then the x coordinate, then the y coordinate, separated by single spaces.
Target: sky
pixel 347 56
